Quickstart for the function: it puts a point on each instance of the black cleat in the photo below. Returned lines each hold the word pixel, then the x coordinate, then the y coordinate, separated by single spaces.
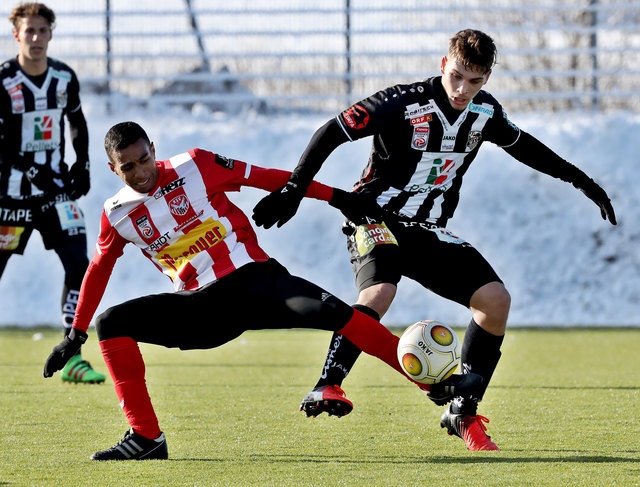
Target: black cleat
pixel 135 447
pixel 464 385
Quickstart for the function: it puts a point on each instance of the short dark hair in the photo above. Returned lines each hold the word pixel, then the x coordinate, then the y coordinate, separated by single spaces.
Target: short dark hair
pixel 30 9
pixel 122 135
pixel 473 49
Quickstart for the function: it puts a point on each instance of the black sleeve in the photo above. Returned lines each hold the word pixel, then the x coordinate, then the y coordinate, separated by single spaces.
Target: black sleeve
pixel 530 151
pixel 79 135
pixel 323 142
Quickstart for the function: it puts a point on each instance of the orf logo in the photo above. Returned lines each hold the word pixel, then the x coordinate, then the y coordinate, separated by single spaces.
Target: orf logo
pixel 356 117
pixel 179 205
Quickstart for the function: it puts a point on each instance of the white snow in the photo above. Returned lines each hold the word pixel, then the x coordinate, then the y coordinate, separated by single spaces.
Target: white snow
pixel 562 263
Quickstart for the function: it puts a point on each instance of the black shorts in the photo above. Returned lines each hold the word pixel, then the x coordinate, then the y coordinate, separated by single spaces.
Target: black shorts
pixel 257 296
pixel 57 218
pixel 432 256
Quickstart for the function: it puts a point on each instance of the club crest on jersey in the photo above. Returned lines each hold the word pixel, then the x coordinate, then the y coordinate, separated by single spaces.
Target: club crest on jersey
pixel 144 226
pixel 475 136
pixel 179 206
pixel 356 117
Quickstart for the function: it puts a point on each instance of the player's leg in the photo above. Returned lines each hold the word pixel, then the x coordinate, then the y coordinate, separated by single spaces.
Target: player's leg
pixel 461 274
pixel 62 227
pixel 377 273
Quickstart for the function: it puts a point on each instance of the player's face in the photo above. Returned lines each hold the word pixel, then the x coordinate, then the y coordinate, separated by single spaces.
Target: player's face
pixel 33 35
pixel 136 166
pixel 461 84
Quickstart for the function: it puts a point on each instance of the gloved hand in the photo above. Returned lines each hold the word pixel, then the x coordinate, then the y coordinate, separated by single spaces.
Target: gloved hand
pixel 42 177
pixel 79 181
pixel 62 352
pixel 355 206
pixel 598 195
pixel 279 206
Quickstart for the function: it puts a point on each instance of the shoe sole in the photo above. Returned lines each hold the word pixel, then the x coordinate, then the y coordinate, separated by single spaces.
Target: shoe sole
pixel 333 407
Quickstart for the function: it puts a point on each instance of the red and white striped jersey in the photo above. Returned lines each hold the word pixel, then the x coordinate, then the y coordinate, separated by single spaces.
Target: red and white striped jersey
pixel 186 226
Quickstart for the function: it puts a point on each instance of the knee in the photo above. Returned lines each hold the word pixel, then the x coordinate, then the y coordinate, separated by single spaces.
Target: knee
pixel 108 325
pixel 378 297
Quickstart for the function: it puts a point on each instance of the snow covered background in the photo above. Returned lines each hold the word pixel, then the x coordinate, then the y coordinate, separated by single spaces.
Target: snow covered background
pixel 561 262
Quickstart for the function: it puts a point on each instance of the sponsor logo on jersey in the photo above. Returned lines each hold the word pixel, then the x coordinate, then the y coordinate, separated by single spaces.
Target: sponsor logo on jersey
pixel 173 185
pixel 416 111
pixel 144 226
pixel 179 206
pixel 43 128
pixel 368 236
pixel 159 243
pixel 448 143
pixel 199 239
pixel 422 119
pixel 480 109
pixel 19 215
pixel 10 237
pixel 356 117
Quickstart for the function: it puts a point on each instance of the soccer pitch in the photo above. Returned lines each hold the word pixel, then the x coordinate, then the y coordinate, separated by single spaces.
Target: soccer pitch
pixel 563 406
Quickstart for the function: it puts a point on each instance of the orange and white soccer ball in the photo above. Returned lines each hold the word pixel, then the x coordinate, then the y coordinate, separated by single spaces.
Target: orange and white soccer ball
pixel 429 351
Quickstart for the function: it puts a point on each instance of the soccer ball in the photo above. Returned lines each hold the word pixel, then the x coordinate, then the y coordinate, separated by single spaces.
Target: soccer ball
pixel 429 351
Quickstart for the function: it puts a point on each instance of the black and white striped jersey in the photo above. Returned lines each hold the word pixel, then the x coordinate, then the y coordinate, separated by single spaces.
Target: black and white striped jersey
pixel 32 128
pixel 422 147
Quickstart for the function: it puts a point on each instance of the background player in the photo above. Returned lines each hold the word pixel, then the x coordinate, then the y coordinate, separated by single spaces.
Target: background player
pixel 425 136
pixel 176 211
pixel 37 188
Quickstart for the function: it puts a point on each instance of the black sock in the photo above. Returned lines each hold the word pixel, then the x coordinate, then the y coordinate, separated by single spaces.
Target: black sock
pixel 480 355
pixel 342 355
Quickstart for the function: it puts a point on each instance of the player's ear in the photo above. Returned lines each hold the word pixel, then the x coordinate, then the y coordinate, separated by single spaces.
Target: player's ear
pixel 486 77
pixel 443 63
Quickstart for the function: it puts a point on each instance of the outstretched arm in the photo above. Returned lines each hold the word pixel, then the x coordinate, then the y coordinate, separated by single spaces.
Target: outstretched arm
pixel 535 154
pixel 280 206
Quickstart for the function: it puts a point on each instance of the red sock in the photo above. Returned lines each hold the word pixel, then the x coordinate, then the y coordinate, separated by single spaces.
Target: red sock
pixel 125 364
pixel 373 338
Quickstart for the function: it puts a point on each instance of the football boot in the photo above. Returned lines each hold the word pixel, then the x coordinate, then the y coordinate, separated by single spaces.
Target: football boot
pixel 470 428
pixel 135 447
pixel 79 371
pixel 464 385
pixel 329 399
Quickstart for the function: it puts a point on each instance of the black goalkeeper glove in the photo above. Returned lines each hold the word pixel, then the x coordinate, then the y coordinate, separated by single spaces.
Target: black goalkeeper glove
pixel 356 206
pixel 598 195
pixel 279 206
pixel 62 352
pixel 79 181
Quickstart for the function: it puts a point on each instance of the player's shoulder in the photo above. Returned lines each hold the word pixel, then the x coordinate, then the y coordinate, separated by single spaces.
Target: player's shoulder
pixel 9 68
pixel 485 102
pixel 61 69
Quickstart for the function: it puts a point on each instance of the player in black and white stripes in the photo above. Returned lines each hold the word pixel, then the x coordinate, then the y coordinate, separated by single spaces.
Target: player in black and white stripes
pixel 425 136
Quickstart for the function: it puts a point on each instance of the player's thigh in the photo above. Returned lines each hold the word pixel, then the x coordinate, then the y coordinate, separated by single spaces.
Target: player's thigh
pixel 446 264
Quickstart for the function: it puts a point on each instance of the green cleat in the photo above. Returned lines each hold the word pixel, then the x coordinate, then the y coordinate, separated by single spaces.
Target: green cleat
pixel 80 371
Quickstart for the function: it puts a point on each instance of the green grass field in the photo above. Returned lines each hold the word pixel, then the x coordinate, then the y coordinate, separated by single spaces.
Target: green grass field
pixel 564 407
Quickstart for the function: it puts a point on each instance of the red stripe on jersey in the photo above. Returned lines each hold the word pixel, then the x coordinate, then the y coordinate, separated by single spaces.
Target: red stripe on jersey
pixel 178 203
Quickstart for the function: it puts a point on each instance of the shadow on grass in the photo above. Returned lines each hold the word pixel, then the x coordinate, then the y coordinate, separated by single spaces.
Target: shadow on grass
pixel 487 458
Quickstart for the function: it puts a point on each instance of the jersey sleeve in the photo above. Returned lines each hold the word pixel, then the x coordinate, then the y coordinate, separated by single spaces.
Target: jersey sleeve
pixel 502 131
pixel 109 248
pixel 368 116
pixel 222 174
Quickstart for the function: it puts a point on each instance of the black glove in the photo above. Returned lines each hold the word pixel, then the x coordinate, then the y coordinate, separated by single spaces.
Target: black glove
pixel 62 352
pixel 355 206
pixel 42 177
pixel 79 181
pixel 279 206
pixel 598 195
